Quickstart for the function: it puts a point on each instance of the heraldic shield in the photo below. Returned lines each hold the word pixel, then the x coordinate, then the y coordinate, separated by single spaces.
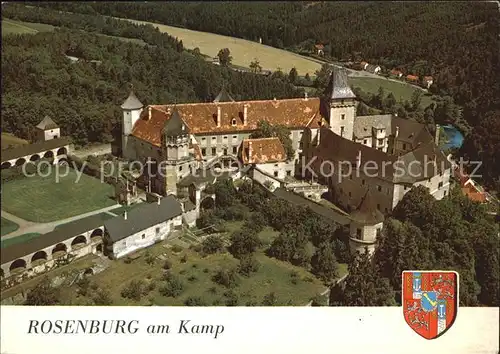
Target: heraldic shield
pixel 430 301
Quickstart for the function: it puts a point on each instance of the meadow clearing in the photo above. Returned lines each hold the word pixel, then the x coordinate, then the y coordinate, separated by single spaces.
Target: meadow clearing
pixel 8 226
pixel 44 199
pixel 17 27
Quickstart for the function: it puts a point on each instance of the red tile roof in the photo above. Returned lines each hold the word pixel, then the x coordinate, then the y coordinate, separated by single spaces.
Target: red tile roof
pixel 396 72
pixel 412 77
pixel 473 194
pixel 263 150
pixel 428 78
pixel 319 46
pixel 201 118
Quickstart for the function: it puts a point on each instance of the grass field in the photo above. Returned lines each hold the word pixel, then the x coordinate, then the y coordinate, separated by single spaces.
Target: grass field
pixel 8 140
pixel 8 226
pixel 399 90
pixel 292 285
pixel 19 239
pixel 18 27
pixel 103 216
pixel 43 199
pixel 242 51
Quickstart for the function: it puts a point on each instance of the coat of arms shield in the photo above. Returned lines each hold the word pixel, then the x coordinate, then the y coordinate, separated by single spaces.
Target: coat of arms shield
pixel 430 301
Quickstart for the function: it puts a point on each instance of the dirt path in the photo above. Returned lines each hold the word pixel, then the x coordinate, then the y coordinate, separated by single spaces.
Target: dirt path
pixel 42 228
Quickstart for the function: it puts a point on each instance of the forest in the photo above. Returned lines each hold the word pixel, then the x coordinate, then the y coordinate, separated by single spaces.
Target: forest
pixel 84 97
pixel 456 43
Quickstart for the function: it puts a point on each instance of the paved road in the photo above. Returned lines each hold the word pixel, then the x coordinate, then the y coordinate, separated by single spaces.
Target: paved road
pixel 42 228
pixel 93 150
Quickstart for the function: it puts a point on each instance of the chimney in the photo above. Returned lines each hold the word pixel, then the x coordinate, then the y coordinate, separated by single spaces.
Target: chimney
pixel 149 113
pixel 125 215
pixel 245 114
pixel 358 160
pixel 250 150
pixel 396 134
pixel 436 137
pixel 305 96
pixel 218 117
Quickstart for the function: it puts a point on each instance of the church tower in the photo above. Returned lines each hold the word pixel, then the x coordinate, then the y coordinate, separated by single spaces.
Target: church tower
pixel 132 109
pixel 341 104
pixel 176 152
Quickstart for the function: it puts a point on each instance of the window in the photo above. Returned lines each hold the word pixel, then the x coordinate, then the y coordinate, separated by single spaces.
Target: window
pixel 203 139
pixel 235 137
pixel 143 236
pixel 405 187
pixel 214 151
pixel 301 145
pixel 288 173
pixel 358 233
pixel 180 168
pixel 157 230
pixel 440 185
pixel 233 122
pixel 225 151
pixel 203 151
pixel 444 194
pixel 225 138
pixel 380 141
pixel 342 116
pixel 350 194
pixel 342 131
pixel 404 146
pixel 363 182
pixel 275 173
pixel 379 231
pixel 365 141
pixel 379 188
pixel 235 150
pixel 214 138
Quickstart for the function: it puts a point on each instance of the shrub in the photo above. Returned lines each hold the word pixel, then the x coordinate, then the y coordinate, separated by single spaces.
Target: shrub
pixel 231 298
pixel 134 290
pixel 83 286
pixel 206 270
pixel 196 247
pixel 167 264
pixel 192 279
pixel 212 290
pixel 226 277
pixel 248 265
pixel 212 244
pixel 176 248
pixel 244 242
pixel 195 301
pixel 270 300
pixel 103 298
pixel 151 286
pixel 149 258
pixel 184 258
pixel 173 288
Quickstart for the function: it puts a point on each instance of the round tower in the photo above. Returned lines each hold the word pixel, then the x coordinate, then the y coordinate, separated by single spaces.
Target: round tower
pixel 132 109
pixel 366 225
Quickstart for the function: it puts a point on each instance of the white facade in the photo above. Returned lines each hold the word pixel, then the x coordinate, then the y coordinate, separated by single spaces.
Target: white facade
pixel 49 134
pixel 362 236
pixel 145 238
pixel 130 117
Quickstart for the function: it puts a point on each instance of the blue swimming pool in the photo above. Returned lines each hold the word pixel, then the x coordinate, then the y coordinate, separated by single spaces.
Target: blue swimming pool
pixel 455 137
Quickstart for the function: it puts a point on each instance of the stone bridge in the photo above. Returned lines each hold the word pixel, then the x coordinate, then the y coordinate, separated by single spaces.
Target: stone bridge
pixel 41 254
pixel 55 149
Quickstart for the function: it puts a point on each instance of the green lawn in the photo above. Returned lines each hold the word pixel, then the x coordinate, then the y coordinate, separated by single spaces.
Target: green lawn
pixel 122 209
pixel 8 226
pixel 9 140
pixel 18 27
pixel 292 285
pixel 44 199
pixel 399 90
pixel 18 239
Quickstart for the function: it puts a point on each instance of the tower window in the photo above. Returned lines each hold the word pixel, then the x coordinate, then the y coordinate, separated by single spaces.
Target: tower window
pixel 214 151
pixel 203 151
pixel 235 150
pixel 379 188
pixel 225 151
pixel 342 129
pixel 342 116
pixel 275 173
pixel 365 141
pixel 233 122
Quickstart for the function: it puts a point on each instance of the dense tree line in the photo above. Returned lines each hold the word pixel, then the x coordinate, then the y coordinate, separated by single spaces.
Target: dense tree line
pixel 84 96
pixel 456 43
pixel 423 233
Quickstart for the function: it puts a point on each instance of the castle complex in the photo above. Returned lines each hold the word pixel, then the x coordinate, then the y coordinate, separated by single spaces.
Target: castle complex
pixel 367 163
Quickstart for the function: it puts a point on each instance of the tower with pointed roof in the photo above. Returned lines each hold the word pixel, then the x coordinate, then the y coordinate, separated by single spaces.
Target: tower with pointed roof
pixel 341 102
pixel 132 109
pixel 176 152
pixel 47 130
pixel 366 224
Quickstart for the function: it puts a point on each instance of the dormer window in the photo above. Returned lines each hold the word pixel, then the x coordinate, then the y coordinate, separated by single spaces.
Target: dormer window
pixel 342 116
pixel 233 122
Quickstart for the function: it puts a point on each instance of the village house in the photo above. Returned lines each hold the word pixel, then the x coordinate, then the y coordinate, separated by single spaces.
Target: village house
pixel 363 65
pixel 470 188
pixel 319 49
pixel 411 78
pixel 396 73
pixel 374 69
pixel 428 81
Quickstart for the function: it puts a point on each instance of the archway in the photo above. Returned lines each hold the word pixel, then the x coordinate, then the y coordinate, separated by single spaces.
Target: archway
pixel 6 165
pixel 207 203
pixel 63 162
pixel 78 242
pixel 235 165
pixel 20 161
pixel 19 265
pixel 61 151
pixel 99 248
pixel 35 157
pixel 48 154
pixel 38 258
pixel 96 235
pixel 59 250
